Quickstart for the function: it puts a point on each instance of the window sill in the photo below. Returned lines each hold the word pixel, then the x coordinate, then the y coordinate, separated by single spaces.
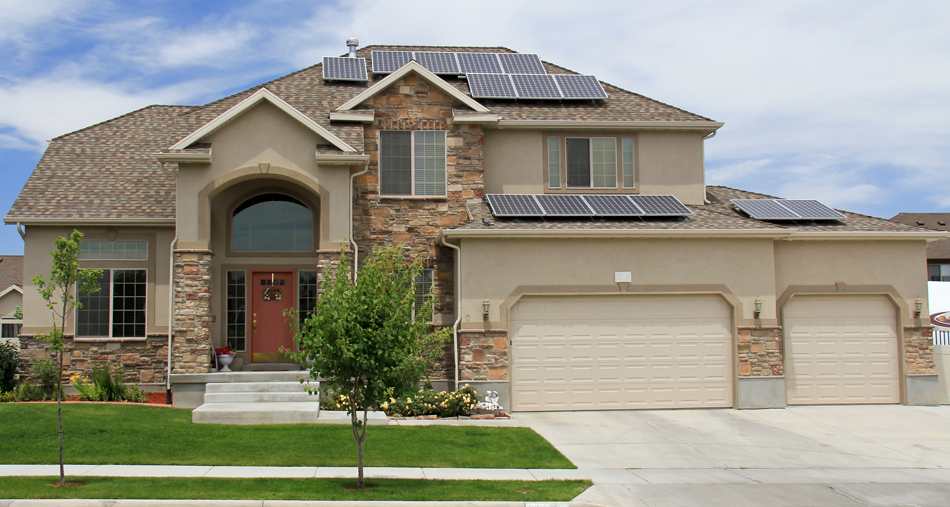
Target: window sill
pixel 416 197
pixel 108 340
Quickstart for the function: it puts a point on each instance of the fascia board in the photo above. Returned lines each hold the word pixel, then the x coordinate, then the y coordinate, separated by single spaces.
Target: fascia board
pixel 253 100
pixel 476 118
pixel 353 116
pixel 141 222
pixel 413 66
pixel 616 233
pixel 610 125
pixel 184 158
pixel 11 289
pixel 801 235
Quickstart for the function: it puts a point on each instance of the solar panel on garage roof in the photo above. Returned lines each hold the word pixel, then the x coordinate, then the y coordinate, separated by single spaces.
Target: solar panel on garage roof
pixel 389 61
pixel 491 86
pixel 810 209
pixel 660 205
pixel 521 63
pixel 479 62
pixel 438 62
pixel 765 209
pixel 580 87
pixel 568 205
pixel 612 205
pixel 535 86
pixel 514 205
pixel 344 69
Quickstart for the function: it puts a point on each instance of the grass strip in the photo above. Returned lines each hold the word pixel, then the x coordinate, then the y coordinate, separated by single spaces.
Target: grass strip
pixel 141 435
pixel 155 488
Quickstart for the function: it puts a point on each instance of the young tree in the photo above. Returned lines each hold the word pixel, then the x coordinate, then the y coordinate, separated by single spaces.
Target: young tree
pixel 65 276
pixel 366 339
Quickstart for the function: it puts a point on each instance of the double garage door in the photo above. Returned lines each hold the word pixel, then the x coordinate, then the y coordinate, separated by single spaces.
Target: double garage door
pixel 621 352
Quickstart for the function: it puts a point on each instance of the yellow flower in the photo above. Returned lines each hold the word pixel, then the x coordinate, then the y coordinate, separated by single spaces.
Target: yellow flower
pixel 384 405
pixel 408 400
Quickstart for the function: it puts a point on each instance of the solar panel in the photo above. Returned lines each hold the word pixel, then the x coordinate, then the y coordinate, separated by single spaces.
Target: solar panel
pixel 660 205
pixel 612 205
pixel 479 62
pixel 491 86
pixel 765 209
pixel 535 86
pixel 563 205
pixel 810 209
pixel 385 62
pixel 438 62
pixel 580 87
pixel 344 69
pixel 514 205
pixel 521 63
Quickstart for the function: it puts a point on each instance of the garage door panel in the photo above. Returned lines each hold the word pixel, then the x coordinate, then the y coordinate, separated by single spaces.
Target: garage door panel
pixel 621 353
pixel 841 349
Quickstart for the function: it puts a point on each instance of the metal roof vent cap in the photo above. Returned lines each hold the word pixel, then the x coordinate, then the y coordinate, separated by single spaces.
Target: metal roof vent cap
pixel 352 43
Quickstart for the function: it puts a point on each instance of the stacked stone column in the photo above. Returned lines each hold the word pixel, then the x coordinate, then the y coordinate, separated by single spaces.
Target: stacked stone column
pixel 191 346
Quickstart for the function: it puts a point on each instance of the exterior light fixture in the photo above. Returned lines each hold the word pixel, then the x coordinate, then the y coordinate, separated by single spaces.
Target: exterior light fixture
pixel 486 305
pixel 758 308
pixel 919 306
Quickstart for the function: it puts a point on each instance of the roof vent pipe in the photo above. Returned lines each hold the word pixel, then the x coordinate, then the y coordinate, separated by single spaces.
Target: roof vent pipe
pixel 352 43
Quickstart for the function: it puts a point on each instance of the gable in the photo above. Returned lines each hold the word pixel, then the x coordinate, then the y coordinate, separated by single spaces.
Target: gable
pixel 412 68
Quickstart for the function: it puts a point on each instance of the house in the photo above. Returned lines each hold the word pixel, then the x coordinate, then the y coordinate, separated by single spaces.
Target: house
pixel 11 296
pixel 565 224
pixel 938 290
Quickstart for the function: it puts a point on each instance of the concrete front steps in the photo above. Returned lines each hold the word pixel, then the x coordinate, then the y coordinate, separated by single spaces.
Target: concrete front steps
pixel 258 401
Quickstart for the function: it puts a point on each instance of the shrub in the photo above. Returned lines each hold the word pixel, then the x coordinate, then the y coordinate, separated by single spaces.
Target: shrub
pixel 47 372
pixel 10 363
pixel 107 386
pixel 27 391
pixel 429 402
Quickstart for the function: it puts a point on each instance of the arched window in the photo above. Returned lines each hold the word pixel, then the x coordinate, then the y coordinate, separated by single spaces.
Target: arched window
pixel 272 223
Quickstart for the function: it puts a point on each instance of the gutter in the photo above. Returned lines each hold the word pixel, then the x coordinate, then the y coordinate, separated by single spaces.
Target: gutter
pixel 145 222
pixel 19 229
pixel 458 304
pixel 611 125
pixel 784 234
pixel 183 158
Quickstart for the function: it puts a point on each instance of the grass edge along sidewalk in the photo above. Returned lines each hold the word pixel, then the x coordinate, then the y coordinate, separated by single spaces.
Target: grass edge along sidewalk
pixel 142 435
pixel 157 488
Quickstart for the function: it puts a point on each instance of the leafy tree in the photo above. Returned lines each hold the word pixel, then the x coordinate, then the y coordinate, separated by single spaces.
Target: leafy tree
pixel 10 362
pixel 365 339
pixel 18 313
pixel 58 294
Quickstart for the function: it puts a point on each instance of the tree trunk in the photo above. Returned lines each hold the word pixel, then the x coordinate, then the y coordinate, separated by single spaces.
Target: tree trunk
pixel 59 415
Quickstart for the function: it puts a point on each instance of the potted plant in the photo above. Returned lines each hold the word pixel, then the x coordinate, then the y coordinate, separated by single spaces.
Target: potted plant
pixel 225 356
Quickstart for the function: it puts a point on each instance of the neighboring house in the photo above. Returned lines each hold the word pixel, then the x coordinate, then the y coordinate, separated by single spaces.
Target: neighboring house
pixel 938 252
pixel 11 296
pixel 565 293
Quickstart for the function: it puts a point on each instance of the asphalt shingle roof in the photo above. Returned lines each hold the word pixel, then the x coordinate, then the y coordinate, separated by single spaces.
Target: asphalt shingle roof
pixel 939 249
pixel 11 271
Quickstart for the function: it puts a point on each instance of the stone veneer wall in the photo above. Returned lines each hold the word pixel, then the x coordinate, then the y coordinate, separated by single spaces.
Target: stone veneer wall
pixel 760 351
pixel 191 348
pixel 918 350
pixel 483 355
pixel 143 360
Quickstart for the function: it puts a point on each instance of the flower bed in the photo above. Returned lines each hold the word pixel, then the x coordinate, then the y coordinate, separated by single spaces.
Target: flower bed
pixel 424 403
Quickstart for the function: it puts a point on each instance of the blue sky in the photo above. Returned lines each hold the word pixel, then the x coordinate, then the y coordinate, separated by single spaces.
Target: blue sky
pixel 842 101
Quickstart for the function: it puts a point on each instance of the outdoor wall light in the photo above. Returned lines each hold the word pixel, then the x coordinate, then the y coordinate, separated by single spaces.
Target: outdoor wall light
pixel 919 306
pixel 758 308
pixel 486 305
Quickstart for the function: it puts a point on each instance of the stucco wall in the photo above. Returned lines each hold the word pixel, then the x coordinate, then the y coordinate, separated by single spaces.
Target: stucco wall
pixel 9 303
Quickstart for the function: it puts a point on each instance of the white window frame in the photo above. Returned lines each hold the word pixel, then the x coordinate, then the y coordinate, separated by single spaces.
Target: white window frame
pixel 247 304
pixel 618 163
pixel 560 162
pixel 112 308
pixel 412 162
pixel 633 162
pixel 14 322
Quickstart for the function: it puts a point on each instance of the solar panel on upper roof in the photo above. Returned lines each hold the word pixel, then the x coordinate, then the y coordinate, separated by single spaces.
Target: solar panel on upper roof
pixel 491 86
pixel 521 63
pixel 810 209
pixel 438 62
pixel 479 62
pixel 385 62
pixel 612 205
pixel 563 205
pixel 535 86
pixel 580 87
pixel 514 205
pixel 344 69
pixel 765 209
pixel 660 205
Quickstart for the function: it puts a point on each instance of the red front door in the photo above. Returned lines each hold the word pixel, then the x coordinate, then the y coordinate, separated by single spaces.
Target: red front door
pixel 272 292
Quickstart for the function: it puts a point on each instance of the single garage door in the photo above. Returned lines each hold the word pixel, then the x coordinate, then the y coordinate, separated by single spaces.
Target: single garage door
pixel 621 352
pixel 841 349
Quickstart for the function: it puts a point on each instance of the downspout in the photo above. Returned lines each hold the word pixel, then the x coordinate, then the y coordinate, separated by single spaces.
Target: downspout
pixel 356 249
pixel 171 302
pixel 19 228
pixel 707 136
pixel 458 306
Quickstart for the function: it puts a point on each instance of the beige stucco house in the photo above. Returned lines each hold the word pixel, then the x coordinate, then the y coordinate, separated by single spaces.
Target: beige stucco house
pixel 11 296
pixel 211 220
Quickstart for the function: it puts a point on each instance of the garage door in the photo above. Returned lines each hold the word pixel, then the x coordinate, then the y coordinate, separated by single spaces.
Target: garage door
pixel 841 349
pixel 621 352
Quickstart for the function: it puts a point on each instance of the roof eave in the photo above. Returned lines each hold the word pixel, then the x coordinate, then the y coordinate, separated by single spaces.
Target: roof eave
pixel 703 126
pixel 184 158
pixel 54 221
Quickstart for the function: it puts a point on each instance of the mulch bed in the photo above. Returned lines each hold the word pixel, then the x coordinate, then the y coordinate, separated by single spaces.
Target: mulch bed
pixel 154 399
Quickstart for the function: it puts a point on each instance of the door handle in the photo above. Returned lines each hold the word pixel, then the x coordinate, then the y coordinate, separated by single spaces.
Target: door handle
pixel 254 323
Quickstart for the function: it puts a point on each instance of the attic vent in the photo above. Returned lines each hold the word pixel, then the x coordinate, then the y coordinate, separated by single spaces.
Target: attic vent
pixel 352 43
pixel 920 223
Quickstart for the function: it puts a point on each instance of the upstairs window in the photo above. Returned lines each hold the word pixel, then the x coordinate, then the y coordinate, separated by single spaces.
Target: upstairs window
pixel 412 163
pixel 590 162
pixel 272 223
pixel 940 272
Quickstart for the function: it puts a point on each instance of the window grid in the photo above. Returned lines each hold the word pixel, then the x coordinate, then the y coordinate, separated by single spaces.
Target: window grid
pixel 128 303
pixel 307 291
pixel 236 316
pixel 429 155
pixel 423 285
pixel 113 250
pixel 554 162
pixel 272 223
pixel 92 319
pixel 628 172
pixel 412 163
pixel 603 155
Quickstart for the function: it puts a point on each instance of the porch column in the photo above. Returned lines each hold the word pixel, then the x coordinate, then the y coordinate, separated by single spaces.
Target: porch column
pixel 191 347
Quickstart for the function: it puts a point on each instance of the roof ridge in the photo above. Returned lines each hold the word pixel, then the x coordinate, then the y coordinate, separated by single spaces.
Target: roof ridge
pixel 431 46
pixel 103 122
pixel 253 88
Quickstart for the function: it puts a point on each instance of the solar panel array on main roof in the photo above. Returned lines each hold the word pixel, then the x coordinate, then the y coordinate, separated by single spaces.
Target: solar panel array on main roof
pixel 444 62
pixel 521 63
pixel 491 86
pixel 344 69
pixel 479 62
pixel 535 86
pixel 574 86
pixel 438 63
pixel 787 209
pixel 583 205
pixel 389 61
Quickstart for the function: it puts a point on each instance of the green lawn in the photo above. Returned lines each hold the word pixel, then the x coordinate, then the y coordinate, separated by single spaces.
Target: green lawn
pixel 142 435
pixel 291 489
